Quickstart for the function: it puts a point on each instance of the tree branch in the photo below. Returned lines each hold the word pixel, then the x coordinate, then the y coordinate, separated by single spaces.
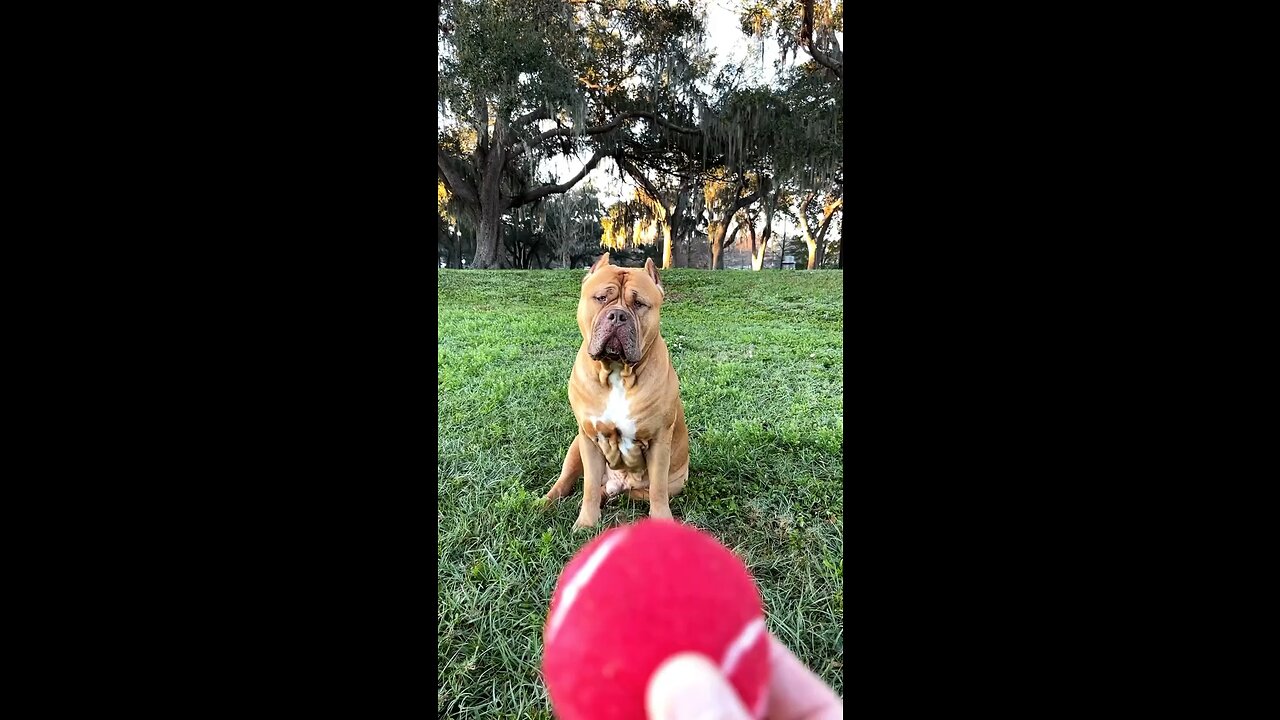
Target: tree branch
pixel 745 201
pixel 599 129
pixel 728 238
pixel 539 114
pixel 770 208
pixel 826 221
pixel 458 185
pixel 806 37
pixel 804 215
pixel 525 198
pixel 751 230
pixel 648 186
pixel 482 124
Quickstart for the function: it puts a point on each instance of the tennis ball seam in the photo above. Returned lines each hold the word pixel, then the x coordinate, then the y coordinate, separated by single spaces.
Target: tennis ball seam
pixel 579 581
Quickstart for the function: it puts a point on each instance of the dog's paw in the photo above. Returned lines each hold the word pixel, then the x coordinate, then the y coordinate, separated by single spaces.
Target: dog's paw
pixel 662 513
pixel 586 520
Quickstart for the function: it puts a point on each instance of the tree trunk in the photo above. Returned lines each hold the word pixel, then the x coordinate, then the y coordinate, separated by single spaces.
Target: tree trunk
pixel 667 260
pixel 828 212
pixel 816 241
pixel 809 240
pixel 715 236
pixel 751 233
pixel 489 244
pixel 476 180
pixel 782 250
pixel 488 237
pixel 770 206
pixel 682 244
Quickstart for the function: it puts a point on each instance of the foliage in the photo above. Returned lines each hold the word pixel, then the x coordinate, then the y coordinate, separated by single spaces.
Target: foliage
pixel 572 225
pixel 631 83
pixel 523 81
pixel 785 20
pixel 630 223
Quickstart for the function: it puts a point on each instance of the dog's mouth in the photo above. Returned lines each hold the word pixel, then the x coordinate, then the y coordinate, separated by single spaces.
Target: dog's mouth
pixel 611 352
pixel 613 347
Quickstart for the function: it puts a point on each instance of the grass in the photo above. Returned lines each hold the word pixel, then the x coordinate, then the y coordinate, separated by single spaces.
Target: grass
pixel 760 362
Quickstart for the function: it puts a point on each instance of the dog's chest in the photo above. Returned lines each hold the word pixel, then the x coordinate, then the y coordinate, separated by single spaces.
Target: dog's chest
pixel 614 429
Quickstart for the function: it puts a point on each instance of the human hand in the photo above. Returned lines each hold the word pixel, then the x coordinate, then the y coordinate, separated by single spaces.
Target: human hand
pixel 690 687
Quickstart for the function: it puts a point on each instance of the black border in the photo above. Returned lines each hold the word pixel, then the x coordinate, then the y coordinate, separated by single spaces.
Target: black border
pixel 298 296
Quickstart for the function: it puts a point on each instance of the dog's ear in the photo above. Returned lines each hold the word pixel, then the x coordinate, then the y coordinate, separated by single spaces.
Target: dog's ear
pixel 652 271
pixel 604 260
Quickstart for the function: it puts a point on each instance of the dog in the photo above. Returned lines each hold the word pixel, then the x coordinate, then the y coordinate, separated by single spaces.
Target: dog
pixel 625 396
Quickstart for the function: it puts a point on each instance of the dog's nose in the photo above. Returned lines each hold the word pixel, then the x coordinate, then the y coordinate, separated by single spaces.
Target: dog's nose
pixel 617 316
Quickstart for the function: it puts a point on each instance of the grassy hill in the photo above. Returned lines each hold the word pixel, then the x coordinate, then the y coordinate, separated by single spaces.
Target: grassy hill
pixel 759 357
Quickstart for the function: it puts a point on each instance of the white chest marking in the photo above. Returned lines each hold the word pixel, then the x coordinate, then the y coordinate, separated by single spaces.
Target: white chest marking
pixel 618 412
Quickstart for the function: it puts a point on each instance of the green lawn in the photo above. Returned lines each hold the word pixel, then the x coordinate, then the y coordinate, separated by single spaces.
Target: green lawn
pixel 760 362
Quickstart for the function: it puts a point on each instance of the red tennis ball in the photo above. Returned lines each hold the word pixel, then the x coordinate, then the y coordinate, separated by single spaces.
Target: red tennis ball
pixel 635 596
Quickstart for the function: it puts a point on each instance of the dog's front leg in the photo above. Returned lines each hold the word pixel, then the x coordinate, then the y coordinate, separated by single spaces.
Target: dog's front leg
pixel 658 464
pixel 593 465
pixel 570 471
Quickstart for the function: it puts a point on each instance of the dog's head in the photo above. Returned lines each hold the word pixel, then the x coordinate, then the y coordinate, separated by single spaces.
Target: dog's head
pixel 618 310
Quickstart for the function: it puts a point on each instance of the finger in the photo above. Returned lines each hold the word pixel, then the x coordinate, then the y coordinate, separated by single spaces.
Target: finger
pixel 689 687
pixel 795 693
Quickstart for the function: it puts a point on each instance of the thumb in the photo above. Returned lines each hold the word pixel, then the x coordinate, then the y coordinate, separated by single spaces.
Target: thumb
pixel 689 687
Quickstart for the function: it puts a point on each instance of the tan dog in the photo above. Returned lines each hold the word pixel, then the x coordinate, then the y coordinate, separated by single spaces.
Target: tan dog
pixel 625 396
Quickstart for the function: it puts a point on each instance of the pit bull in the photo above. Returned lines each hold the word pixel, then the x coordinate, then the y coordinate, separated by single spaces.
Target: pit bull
pixel 626 397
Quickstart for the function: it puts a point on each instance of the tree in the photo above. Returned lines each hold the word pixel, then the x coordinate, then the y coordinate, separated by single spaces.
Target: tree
pixel 445 241
pixel 668 161
pixel 724 198
pixel 526 80
pixel 628 223
pixel 802 136
pixel 572 225
pixel 454 233
pixel 666 201
pixel 809 25
pixel 807 154
pixel 775 142
pixel 769 208
pixel 809 213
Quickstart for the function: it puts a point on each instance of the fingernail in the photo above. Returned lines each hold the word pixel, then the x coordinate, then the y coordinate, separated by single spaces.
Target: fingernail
pixel 690 687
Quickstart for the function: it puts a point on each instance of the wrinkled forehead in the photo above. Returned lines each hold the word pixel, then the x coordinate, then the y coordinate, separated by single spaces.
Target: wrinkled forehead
pixel 622 278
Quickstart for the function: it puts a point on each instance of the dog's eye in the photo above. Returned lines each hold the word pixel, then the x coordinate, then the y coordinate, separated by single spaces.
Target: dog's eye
pixel 601 298
pixel 640 304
